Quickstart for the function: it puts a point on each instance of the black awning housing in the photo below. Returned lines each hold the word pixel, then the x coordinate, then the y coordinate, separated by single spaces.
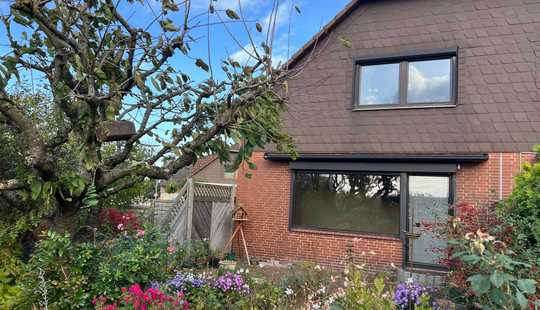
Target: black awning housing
pixel 387 158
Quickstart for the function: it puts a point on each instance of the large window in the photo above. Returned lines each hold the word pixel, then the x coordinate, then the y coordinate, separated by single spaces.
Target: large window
pixel 406 81
pixel 352 201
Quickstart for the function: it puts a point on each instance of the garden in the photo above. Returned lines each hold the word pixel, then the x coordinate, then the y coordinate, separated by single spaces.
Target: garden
pixel 126 263
pixel 98 101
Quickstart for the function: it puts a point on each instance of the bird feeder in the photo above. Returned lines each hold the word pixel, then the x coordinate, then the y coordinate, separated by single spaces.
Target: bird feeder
pixel 115 131
pixel 239 214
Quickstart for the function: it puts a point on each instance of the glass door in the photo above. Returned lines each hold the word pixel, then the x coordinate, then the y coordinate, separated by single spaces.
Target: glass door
pixel 428 203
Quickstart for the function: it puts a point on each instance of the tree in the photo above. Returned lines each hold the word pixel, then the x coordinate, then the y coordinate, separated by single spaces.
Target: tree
pixel 99 68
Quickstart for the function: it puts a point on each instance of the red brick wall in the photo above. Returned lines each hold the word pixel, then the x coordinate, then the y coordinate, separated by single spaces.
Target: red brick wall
pixel 486 183
pixel 266 197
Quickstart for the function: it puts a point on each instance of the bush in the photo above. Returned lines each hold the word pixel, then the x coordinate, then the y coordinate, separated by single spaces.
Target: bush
pixel 10 270
pixel 499 281
pixel 360 294
pixel 73 274
pixel 521 212
pixel 56 274
pixel 128 259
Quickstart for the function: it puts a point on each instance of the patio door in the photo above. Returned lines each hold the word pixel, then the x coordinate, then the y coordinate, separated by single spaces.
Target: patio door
pixel 429 199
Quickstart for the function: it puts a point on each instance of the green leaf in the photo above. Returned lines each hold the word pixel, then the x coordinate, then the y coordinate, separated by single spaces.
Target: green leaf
pixel 35 188
pixel 527 285
pixel 470 258
pixel 252 165
pixel 498 296
pixel 259 27
pixel 201 64
pixel 345 42
pixel 232 14
pixel 168 25
pixel 521 299
pixel 100 74
pixel 498 278
pixel 297 8
pixel 479 283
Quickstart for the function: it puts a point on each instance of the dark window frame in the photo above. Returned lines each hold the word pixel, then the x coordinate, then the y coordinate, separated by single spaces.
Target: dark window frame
pixel 405 217
pixel 293 226
pixel 403 60
pixel 404 202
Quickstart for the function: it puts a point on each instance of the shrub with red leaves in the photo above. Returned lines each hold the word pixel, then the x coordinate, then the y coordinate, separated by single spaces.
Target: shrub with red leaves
pixel 135 298
pixel 467 218
pixel 118 221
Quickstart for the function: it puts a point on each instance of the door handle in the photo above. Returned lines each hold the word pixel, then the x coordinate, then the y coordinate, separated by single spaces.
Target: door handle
pixel 412 235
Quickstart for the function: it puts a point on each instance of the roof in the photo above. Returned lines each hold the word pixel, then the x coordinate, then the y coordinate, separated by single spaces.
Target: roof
pixel 324 32
pixel 202 163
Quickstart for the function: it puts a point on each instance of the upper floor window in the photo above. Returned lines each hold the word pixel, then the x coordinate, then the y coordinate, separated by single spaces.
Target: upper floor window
pixel 424 80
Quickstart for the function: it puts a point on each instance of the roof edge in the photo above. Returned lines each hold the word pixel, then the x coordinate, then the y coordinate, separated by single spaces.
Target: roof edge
pixel 371 157
pixel 324 32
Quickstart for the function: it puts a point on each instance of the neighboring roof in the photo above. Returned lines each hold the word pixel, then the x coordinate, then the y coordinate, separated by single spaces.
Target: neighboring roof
pixel 434 158
pixel 325 31
pixel 202 163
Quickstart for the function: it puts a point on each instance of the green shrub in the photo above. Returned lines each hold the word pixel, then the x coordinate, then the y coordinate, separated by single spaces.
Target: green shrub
pixel 57 274
pixel 73 274
pixel 10 270
pixel 361 294
pixel 521 212
pixel 498 281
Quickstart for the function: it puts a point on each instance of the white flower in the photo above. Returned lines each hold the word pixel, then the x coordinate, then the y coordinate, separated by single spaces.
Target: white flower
pixel 317 267
pixel 409 281
pixel 289 291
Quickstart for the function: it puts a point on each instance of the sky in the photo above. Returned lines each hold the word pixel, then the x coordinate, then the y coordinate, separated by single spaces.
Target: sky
pixel 293 29
pixel 218 42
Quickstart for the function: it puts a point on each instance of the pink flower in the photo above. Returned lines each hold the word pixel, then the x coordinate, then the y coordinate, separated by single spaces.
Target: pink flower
pixel 171 249
pixel 120 226
pixel 140 233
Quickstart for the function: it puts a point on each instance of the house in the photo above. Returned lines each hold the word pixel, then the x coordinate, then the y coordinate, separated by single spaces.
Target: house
pixel 434 102
pixel 207 169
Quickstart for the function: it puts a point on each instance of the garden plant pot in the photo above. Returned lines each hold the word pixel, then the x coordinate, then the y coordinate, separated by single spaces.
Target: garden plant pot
pixel 228 264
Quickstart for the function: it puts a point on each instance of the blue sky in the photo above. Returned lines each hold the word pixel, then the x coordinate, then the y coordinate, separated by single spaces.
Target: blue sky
pixel 292 31
pixel 290 36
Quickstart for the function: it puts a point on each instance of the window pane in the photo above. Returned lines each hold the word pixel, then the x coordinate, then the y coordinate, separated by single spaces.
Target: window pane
pixel 428 203
pixel 429 81
pixel 350 202
pixel 379 84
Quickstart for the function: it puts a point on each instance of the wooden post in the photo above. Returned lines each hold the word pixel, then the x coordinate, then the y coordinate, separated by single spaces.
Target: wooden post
pixel 189 214
pixel 244 242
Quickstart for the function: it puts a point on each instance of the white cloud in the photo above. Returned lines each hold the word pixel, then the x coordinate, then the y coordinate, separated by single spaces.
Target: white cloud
pixel 227 4
pixel 280 52
pixel 281 15
pixel 432 88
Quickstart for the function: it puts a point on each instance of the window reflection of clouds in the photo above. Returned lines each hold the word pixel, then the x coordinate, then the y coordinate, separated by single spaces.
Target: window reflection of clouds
pixel 429 186
pixel 379 84
pixel 429 81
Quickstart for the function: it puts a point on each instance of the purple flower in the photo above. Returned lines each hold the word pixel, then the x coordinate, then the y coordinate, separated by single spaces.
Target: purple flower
pixel 183 281
pixel 231 282
pixel 410 292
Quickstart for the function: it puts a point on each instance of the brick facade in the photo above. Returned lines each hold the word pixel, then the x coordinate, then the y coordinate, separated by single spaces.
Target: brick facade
pixel 267 194
pixel 496 113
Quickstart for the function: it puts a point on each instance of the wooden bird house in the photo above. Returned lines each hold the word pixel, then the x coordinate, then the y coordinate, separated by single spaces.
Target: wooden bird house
pixel 115 131
pixel 240 214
